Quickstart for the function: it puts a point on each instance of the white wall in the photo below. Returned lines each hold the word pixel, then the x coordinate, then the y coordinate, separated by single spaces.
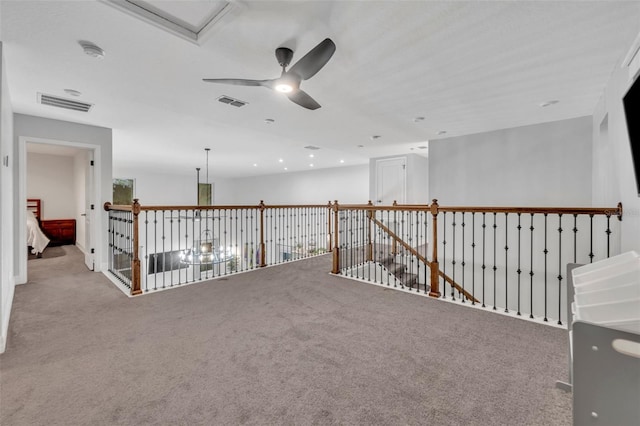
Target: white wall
pixel 51 178
pixel 348 185
pixel 31 129
pixel 161 188
pixel 545 164
pixel 613 174
pixel 6 205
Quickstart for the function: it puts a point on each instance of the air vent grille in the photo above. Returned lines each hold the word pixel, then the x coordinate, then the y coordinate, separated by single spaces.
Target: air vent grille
pixel 58 102
pixel 230 101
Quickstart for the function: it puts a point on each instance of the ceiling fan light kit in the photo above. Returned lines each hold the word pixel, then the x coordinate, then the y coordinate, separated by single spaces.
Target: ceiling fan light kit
pixel 289 81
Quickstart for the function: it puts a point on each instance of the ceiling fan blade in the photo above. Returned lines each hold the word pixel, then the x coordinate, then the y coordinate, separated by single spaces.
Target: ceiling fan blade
pixel 239 81
pixel 314 60
pixel 301 98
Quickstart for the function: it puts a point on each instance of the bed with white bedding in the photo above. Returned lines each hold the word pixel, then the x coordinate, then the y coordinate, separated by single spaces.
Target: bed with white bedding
pixel 36 239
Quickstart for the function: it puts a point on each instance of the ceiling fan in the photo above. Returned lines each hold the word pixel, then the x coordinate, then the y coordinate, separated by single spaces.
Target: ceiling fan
pixel 289 81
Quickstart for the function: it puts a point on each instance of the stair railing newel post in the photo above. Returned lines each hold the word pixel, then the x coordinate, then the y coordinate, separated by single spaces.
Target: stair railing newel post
pixel 336 238
pixel 263 261
pixel 135 262
pixel 434 266
pixel 329 233
pixel 370 215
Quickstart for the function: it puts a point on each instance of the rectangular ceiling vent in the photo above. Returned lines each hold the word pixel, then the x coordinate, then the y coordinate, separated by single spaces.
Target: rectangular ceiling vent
pixel 230 101
pixel 312 148
pixel 58 102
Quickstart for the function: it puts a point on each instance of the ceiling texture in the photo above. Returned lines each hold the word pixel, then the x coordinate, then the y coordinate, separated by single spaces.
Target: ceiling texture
pixel 405 71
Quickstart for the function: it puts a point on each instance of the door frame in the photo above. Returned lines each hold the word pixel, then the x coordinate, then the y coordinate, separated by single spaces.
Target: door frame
pixel 21 204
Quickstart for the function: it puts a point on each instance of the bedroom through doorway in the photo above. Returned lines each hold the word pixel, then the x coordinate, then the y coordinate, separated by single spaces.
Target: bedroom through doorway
pixel 59 178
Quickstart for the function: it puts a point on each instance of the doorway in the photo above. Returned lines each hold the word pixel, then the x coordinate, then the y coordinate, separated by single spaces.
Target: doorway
pixel 391 181
pixel 73 199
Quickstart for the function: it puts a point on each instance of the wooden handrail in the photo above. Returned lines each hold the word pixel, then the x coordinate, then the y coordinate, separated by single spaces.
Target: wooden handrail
pixel 117 207
pixel 108 206
pixel 400 241
pixel 606 211
pixel 414 252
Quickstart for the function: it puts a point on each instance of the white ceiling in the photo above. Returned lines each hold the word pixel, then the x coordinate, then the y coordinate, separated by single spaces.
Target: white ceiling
pixel 466 67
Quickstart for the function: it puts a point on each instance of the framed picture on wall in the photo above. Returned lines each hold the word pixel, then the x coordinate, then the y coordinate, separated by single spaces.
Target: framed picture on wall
pixel 205 195
pixel 123 191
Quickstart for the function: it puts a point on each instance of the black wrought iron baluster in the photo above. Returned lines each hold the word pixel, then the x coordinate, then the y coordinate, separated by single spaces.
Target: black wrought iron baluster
pixel 463 263
pixel 560 269
pixel 290 231
pixel 473 258
pixel 546 252
pixel 417 225
pixel 155 249
pixel 228 229
pixel 164 251
pixel 363 242
pixel 444 255
pixel 608 232
pixel 187 247
pixel 506 262
pixel 591 238
pixel 146 247
pixel 235 259
pixel 519 271
pixel 374 250
pixel 531 273
pixel 495 268
pixel 196 262
pixel 173 252
pixel 575 238
pixel 425 217
pixel 484 251
pixel 453 256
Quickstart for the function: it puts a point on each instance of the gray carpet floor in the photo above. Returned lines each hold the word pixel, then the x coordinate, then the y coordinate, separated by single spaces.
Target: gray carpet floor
pixel 283 345
pixel 48 253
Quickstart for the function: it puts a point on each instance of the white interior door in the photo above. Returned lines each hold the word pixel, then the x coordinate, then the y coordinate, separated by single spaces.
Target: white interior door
pixel 391 181
pixel 89 212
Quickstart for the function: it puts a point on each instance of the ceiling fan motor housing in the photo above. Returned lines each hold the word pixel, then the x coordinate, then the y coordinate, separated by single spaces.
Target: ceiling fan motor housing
pixel 284 55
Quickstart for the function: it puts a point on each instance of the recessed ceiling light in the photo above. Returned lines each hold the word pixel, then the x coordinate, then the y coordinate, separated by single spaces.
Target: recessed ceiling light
pixel 72 92
pixel 286 168
pixel 311 155
pixel 548 103
pixel 442 132
pixel 269 120
pixel 91 49
pixel 418 119
pixel 280 160
pixel 311 165
pixel 255 165
pixel 341 161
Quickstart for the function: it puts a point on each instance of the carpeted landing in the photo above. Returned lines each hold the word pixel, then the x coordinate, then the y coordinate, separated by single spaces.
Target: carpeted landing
pixel 284 345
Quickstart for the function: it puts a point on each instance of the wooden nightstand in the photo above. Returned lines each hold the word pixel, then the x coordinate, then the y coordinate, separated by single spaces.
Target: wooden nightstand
pixel 60 231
